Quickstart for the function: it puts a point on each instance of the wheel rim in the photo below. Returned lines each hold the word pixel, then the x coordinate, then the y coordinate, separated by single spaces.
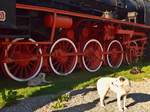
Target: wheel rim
pixel 115 54
pixel 131 56
pixel 93 57
pixel 63 57
pixel 27 60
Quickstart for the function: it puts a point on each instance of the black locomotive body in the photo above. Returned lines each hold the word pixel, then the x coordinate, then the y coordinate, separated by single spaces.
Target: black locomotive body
pixel 7 13
pixel 119 8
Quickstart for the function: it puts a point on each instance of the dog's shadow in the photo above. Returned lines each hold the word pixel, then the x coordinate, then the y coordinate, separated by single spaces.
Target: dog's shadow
pixel 137 97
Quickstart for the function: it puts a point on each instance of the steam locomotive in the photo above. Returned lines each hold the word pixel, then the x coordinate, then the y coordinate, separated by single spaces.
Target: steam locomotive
pixel 58 35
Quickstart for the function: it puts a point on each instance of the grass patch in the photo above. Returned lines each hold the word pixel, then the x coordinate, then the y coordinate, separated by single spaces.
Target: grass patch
pixel 136 77
pixel 60 103
pixel 76 80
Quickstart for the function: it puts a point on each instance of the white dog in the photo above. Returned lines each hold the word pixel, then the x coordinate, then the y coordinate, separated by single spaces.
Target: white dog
pixel 40 79
pixel 120 86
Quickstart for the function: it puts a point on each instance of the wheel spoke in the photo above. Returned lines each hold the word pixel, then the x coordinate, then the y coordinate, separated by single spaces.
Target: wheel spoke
pixel 25 71
pixel 29 68
pixel 13 66
pixel 58 66
pixel 16 71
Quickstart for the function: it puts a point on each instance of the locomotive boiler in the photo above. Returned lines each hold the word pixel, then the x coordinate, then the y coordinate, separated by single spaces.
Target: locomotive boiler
pixel 61 35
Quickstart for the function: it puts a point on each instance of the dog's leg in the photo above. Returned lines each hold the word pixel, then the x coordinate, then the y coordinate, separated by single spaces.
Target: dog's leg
pixel 102 101
pixel 102 95
pixel 119 102
pixel 124 102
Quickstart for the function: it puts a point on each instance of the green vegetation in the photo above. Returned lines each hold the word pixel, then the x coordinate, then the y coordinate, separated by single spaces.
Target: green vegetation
pixel 76 80
pixel 60 103
pixel 9 97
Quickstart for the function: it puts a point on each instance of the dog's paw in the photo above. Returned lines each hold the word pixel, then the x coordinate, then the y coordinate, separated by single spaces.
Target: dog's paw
pixel 102 105
pixel 125 108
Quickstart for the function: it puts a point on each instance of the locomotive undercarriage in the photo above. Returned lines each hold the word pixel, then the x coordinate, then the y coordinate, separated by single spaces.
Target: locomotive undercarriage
pixel 79 39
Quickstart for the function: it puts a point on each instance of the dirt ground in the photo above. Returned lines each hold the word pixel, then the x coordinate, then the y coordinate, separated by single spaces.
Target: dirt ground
pixel 86 100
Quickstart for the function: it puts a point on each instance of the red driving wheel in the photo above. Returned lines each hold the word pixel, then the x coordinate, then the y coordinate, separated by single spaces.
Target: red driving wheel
pixel 114 54
pixel 63 57
pixel 131 53
pixel 93 55
pixel 23 62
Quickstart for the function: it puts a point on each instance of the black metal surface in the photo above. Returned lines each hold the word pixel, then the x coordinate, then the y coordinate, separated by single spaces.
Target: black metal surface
pixel 119 8
pixel 147 12
pixel 9 7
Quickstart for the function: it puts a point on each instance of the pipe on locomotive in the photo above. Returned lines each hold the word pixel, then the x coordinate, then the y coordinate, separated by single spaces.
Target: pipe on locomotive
pixel 61 21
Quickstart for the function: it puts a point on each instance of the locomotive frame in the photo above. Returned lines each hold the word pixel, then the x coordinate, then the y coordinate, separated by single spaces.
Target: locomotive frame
pixel 99 41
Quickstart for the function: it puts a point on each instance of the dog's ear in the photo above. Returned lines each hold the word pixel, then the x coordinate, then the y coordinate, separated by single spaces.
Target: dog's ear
pixel 122 79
